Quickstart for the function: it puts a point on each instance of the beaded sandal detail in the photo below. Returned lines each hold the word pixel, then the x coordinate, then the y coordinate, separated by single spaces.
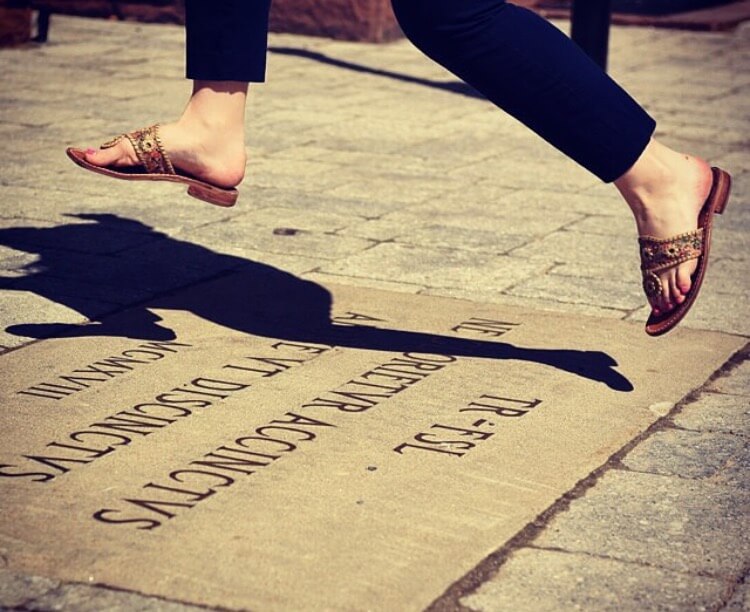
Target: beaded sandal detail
pixel 155 165
pixel 658 254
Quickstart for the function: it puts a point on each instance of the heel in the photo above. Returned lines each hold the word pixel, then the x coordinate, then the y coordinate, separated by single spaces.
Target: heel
pixel 722 187
pixel 214 195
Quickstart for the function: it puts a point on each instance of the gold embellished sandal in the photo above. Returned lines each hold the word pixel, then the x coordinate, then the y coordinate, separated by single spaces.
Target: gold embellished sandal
pixel 659 254
pixel 155 165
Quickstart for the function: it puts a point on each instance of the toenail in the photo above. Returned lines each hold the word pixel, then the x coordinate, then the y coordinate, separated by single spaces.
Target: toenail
pixel 90 151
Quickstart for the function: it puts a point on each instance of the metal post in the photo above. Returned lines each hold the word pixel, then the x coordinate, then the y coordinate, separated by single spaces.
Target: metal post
pixel 42 25
pixel 590 28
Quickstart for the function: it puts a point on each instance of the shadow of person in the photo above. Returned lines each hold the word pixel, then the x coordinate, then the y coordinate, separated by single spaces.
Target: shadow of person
pixel 255 299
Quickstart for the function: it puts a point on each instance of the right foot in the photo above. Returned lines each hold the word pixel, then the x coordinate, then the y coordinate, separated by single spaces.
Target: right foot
pixel 215 156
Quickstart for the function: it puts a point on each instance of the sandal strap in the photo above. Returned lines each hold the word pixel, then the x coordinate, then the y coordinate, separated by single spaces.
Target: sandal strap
pixel 662 253
pixel 148 148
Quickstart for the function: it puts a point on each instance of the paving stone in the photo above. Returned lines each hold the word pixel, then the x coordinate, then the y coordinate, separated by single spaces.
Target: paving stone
pixel 738 222
pixel 740 601
pixel 572 250
pixel 490 296
pixel 242 234
pixel 447 153
pixel 735 161
pixel 560 174
pixel 302 175
pixel 724 275
pixel 737 382
pixel 392 189
pixel 84 598
pixel 313 203
pixel 716 412
pixel 492 208
pixel 391 163
pixel 730 243
pixel 538 580
pixel 17 589
pixel 444 231
pixel 357 281
pixel 597 199
pixel 667 522
pixel 433 267
pixel 446 237
pixel 294 218
pixel 606 225
pixel 602 292
pixel 720 458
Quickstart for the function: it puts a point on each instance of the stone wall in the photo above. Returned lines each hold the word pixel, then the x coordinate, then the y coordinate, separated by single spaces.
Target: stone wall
pixel 15 26
pixel 365 20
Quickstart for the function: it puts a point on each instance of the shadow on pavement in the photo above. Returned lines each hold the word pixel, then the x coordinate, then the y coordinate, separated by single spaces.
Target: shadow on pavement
pixel 261 300
pixel 457 87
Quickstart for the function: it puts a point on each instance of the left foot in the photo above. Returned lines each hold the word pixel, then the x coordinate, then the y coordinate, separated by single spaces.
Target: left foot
pixel 669 207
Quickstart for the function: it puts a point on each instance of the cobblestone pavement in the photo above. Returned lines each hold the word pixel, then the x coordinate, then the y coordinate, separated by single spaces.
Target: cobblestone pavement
pixel 371 166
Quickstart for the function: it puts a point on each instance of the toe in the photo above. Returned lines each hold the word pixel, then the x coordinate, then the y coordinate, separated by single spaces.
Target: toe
pixel 119 155
pixel 665 303
pixel 676 295
pixel 655 305
pixel 684 274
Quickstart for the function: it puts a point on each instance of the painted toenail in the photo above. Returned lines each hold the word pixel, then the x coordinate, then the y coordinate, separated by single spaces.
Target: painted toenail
pixel 90 151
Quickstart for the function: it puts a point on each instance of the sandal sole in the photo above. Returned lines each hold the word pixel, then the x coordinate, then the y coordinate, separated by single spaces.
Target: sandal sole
pixel 218 196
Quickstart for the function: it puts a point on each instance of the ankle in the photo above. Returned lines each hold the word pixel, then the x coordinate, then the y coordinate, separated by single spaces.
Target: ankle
pixel 204 127
pixel 661 175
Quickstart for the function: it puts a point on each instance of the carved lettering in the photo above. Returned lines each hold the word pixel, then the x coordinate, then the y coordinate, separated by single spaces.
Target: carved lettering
pixel 436 441
pixel 94 453
pixel 315 349
pixel 101 371
pixel 354 319
pixel 144 523
pixel 35 476
pixel 477 326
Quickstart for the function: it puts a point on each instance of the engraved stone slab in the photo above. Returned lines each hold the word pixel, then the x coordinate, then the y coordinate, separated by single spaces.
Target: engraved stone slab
pixel 263 442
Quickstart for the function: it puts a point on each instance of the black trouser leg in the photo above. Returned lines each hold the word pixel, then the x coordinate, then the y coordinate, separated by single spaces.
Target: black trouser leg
pixel 227 39
pixel 534 72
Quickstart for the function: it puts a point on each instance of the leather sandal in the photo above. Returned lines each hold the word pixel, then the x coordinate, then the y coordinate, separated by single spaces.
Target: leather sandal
pixel 155 165
pixel 661 253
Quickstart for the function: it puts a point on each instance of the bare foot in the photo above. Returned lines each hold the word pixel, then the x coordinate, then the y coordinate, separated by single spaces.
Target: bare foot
pixel 669 206
pixel 213 154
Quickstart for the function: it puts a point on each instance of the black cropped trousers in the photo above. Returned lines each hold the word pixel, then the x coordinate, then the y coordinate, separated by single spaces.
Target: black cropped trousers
pixel 512 56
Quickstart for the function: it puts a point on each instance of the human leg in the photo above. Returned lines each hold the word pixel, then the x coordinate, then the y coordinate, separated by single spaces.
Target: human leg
pixel 226 49
pixel 531 70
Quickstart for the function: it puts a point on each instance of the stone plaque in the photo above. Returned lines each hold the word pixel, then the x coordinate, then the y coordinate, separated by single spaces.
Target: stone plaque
pixel 263 442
